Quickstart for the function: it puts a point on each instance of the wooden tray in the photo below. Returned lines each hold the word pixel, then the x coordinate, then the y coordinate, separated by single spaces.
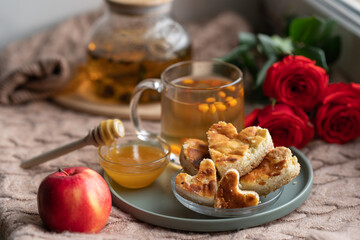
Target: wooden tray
pixel 150 111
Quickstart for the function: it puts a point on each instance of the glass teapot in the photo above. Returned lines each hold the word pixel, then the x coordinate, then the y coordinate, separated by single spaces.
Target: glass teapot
pixel 133 40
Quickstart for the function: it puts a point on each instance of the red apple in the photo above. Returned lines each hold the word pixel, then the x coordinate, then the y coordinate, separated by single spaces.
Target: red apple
pixel 74 199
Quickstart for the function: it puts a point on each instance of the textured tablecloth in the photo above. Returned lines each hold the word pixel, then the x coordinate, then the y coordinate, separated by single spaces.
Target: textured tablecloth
pixel 332 210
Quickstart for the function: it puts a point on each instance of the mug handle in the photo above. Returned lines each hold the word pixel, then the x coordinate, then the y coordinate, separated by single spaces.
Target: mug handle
pixel 151 83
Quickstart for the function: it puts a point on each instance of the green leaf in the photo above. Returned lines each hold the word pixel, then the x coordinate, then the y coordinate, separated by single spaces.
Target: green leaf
pixel 257 96
pixel 284 45
pixel 234 55
pixel 306 30
pixel 314 53
pixel 316 32
pixel 267 46
pixel 288 20
pixel 328 28
pixel 332 49
pixel 273 102
pixel 246 38
pixel 248 61
pixel 262 72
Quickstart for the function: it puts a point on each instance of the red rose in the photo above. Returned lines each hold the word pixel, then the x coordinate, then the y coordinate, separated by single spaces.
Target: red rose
pixel 337 120
pixel 296 81
pixel 288 126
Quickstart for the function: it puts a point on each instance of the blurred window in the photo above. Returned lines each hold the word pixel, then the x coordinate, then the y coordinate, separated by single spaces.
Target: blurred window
pixel 346 12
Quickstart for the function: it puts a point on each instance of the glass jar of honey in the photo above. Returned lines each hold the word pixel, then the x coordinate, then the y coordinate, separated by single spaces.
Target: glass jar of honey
pixel 135 161
pixel 133 40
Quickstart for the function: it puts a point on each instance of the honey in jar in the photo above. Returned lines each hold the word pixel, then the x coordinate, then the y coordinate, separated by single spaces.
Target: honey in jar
pixel 134 165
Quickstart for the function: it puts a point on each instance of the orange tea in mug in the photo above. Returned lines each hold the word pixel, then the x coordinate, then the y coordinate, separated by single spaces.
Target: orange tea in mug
pixel 190 113
pixel 194 95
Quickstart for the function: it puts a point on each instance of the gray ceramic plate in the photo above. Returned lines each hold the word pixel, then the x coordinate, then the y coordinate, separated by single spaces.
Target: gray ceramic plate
pixel 157 205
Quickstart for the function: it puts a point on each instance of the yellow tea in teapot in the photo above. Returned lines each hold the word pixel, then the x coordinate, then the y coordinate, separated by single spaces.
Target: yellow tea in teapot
pixel 113 78
pixel 132 41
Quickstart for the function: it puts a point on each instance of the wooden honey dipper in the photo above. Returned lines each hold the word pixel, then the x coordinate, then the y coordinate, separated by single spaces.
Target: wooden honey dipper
pixel 104 134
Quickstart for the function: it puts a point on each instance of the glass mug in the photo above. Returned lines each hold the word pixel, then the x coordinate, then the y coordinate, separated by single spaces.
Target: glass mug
pixel 194 95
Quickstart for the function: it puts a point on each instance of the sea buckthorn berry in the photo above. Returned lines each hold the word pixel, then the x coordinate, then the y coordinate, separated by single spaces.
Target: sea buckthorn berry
pixel 232 102
pixel 228 99
pixel 175 149
pixel 231 88
pixel 203 107
pixel 212 109
pixel 220 106
pixel 210 100
pixel 222 94
pixel 187 81
pixel 241 92
pixel 92 46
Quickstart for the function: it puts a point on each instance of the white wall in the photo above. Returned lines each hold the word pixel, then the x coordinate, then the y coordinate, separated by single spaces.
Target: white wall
pixel 21 18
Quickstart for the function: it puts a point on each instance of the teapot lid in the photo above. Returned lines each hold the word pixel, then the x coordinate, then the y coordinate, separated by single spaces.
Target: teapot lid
pixel 141 3
pixel 140 7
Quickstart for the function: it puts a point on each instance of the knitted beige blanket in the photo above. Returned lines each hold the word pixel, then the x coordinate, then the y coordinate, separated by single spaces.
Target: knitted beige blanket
pixel 331 212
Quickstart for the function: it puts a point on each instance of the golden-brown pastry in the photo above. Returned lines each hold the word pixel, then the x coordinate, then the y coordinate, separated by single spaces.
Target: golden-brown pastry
pixel 242 151
pixel 278 168
pixel 229 195
pixel 200 188
pixel 192 153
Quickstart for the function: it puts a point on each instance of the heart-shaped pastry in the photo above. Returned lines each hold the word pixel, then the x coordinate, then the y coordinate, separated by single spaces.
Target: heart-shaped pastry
pixel 200 188
pixel 278 168
pixel 193 151
pixel 229 195
pixel 241 151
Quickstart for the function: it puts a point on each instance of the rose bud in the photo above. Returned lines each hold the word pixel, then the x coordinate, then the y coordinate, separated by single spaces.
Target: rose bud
pixel 337 120
pixel 296 81
pixel 288 126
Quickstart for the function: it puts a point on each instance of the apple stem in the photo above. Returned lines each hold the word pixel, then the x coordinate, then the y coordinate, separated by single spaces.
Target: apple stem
pixel 62 171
